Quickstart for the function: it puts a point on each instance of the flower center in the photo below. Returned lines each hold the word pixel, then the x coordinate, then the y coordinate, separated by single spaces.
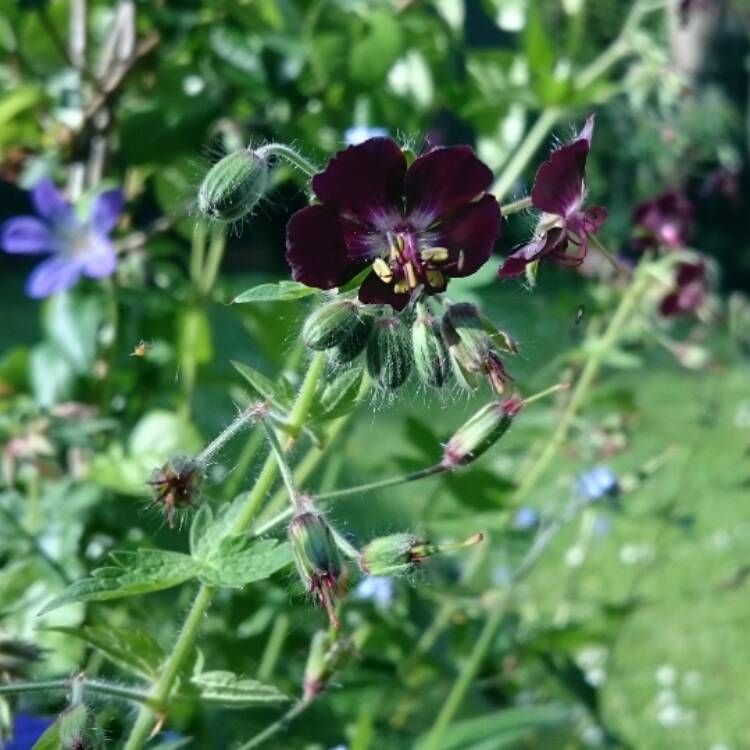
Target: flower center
pixel 407 261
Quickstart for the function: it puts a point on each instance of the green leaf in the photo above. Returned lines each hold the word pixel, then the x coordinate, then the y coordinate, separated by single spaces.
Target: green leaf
pixel 238 560
pixel 203 520
pixel 194 340
pixel 282 291
pixel 357 281
pixel 134 573
pixel 131 649
pixel 372 56
pixel 67 729
pixel 506 728
pixel 263 386
pixel 228 690
pixel 339 396
pixel 72 322
pixel 51 375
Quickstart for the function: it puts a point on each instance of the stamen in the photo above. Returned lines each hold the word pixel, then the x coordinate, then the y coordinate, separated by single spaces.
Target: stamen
pixel 435 278
pixel 461 260
pixel 435 254
pixel 382 270
pixel 411 276
pixel 400 287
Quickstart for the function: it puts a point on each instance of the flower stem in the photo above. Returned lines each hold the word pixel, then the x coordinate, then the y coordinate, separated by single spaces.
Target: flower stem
pixel 283 466
pixel 281 151
pixel 525 152
pixel 590 370
pixel 236 425
pixel 95 686
pixel 515 206
pixel 160 693
pixel 619 268
pixel 213 260
pixel 277 726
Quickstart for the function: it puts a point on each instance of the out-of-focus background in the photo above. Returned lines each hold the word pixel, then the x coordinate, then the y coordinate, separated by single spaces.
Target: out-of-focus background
pixel 636 621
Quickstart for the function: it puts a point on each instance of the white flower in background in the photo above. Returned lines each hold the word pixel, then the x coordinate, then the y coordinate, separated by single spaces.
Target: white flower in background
pixel 666 675
pixel 360 133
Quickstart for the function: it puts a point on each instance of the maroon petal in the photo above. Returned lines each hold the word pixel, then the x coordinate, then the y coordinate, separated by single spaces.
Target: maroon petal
pixel 444 180
pixel 551 242
pixel 374 291
pixel 365 180
pixel 322 249
pixel 670 305
pixel 470 236
pixel 668 217
pixel 559 184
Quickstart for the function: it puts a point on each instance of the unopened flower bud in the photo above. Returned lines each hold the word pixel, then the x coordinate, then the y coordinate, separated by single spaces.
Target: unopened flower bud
pixel 389 354
pixel 480 432
pixel 496 373
pixel 400 554
pixel 431 359
pixel 355 341
pixel 326 657
pixel 466 336
pixel 233 187
pixel 72 727
pixel 176 485
pixel 334 323
pixel 317 559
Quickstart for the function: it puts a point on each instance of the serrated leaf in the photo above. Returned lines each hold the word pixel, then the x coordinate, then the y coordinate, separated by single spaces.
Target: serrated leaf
pixel 282 291
pixel 136 573
pixel 338 396
pixel 261 385
pixel 68 726
pixel 238 560
pixel 228 690
pixel 133 650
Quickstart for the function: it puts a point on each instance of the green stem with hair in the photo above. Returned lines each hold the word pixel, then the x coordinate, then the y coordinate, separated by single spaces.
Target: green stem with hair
pixel 162 689
pixel 100 687
pixel 281 151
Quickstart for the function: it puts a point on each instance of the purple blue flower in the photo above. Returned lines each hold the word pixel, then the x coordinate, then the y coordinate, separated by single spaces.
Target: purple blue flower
pixel 598 482
pixel 380 590
pixel 526 518
pixel 27 729
pixel 414 227
pixel 77 247
pixel 559 191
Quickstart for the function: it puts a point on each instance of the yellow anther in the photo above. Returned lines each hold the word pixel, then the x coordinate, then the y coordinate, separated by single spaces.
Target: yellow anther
pixel 382 270
pixel 435 254
pixel 435 278
pixel 400 287
pixel 411 277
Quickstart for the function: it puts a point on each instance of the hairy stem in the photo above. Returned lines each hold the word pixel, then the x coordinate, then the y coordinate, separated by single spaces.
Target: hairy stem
pixel 281 151
pixel 95 686
pixel 277 726
pixel 515 206
pixel 160 693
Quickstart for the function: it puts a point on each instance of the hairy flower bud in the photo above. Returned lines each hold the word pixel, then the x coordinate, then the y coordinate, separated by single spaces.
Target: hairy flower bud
pixel 317 558
pixel 467 338
pixel 389 354
pixel 334 323
pixel 480 432
pixel 400 554
pixel 431 359
pixel 233 187
pixel 176 485
pixel 326 657
pixel 355 341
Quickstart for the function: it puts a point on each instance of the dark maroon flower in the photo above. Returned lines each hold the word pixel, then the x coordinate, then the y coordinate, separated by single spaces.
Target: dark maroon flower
pixel 690 290
pixel 415 227
pixel 666 220
pixel 559 191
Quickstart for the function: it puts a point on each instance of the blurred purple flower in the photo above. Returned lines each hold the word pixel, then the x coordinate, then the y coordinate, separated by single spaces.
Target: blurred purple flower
pixel 76 247
pixel 361 133
pixel 377 589
pixel 414 227
pixel 559 191
pixel 526 518
pixel 597 483
pixel 27 729
pixel 665 220
pixel 689 292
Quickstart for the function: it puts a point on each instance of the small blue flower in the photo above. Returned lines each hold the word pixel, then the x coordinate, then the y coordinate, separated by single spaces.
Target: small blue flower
pixel 361 133
pixel 378 589
pixel 526 518
pixel 27 729
pixel 77 247
pixel 598 482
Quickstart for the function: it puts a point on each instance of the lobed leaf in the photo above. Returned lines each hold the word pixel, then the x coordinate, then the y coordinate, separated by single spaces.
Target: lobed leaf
pixel 228 690
pixel 239 560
